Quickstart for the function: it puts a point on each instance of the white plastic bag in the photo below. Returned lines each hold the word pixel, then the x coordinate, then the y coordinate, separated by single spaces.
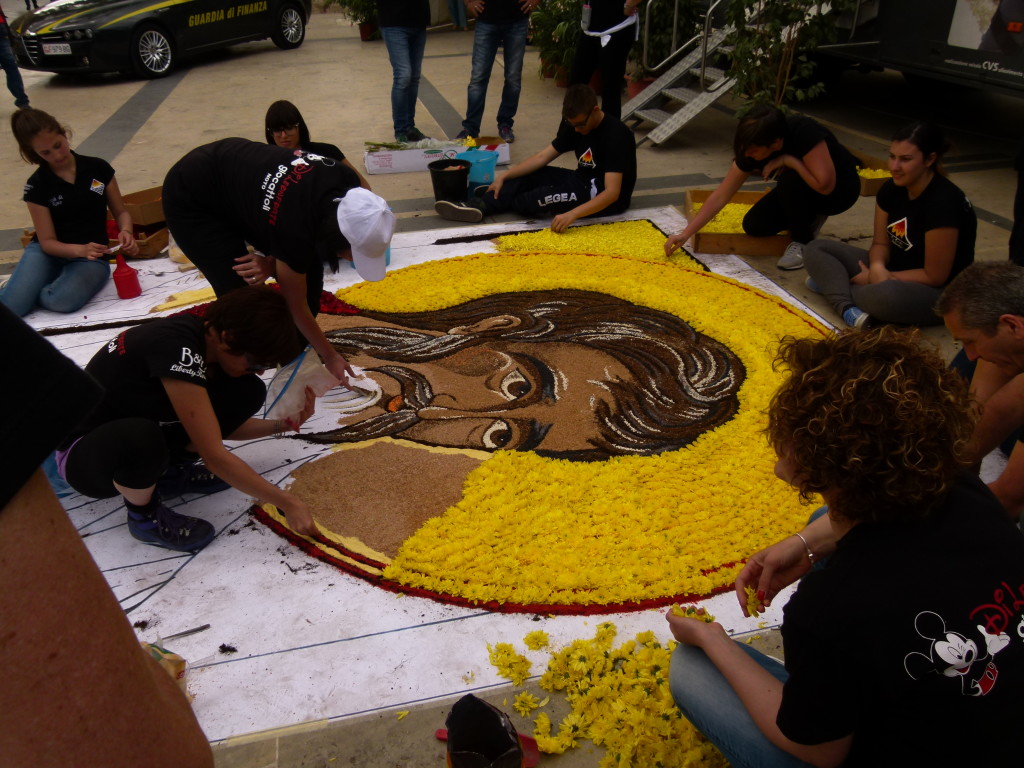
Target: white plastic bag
pixel 286 394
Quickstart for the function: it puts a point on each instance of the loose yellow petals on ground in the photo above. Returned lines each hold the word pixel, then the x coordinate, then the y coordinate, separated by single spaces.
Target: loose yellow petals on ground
pixel 619 698
pixel 469 677
pixel 525 703
pixel 536 640
pixel 509 664
pixel 754 605
pixel 403 713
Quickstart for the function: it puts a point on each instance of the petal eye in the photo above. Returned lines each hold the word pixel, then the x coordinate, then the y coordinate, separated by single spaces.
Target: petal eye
pixel 498 435
pixel 515 386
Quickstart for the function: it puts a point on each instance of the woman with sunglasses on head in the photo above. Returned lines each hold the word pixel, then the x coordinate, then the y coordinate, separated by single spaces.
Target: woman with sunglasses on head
pixel 174 389
pixel 68 197
pixel 285 127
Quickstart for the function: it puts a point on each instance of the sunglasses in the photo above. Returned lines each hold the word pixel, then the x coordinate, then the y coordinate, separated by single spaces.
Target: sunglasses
pixel 285 129
pixel 578 124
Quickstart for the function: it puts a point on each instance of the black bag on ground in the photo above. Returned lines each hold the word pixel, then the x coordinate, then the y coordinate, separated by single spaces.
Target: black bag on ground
pixel 481 736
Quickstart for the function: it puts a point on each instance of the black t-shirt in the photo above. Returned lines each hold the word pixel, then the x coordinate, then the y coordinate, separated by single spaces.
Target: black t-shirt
pixel 403 13
pixel 45 396
pixel 605 14
pixel 802 135
pixel 277 198
pixel 323 149
pixel 79 210
pixel 941 204
pixel 609 148
pixel 911 639
pixel 501 11
pixel 131 365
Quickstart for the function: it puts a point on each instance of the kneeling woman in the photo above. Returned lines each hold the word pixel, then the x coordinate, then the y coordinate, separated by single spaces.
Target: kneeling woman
pixel 923 237
pixel 175 389
pixel 913 623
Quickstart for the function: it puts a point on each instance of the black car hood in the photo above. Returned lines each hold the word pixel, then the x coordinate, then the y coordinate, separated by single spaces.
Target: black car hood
pixel 64 15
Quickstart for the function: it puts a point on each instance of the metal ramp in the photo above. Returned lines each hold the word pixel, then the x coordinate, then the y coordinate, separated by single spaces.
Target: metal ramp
pixel 689 82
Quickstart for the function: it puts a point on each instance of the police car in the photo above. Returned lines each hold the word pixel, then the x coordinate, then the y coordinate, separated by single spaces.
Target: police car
pixel 147 37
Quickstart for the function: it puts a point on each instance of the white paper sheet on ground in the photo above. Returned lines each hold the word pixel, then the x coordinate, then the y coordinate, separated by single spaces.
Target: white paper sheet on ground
pixel 312 642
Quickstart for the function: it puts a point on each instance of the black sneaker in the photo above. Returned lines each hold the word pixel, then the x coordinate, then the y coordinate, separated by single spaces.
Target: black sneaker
pixel 463 135
pixel 459 211
pixel 180 479
pixel 166 528
pixel 415 134
pixel 481 191
pixel 505 132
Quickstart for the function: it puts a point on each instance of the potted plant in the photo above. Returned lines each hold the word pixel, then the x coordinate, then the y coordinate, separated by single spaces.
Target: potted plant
pixel 554 30
pixel 771 43
pixel 362 13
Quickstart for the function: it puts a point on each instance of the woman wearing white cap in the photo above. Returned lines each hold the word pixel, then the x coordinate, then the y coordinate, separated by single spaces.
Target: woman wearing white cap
pixel 296 210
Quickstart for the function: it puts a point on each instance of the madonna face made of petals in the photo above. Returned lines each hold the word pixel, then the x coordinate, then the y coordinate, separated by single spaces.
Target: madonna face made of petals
pixel 566 373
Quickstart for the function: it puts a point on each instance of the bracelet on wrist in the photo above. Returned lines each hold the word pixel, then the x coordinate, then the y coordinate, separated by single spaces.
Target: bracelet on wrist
pixel 810 554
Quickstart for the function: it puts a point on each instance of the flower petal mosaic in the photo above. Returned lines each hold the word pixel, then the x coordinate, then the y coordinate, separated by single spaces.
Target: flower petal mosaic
pixel 542 534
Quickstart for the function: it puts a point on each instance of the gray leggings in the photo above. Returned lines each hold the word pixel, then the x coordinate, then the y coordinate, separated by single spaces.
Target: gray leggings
pixel 831 265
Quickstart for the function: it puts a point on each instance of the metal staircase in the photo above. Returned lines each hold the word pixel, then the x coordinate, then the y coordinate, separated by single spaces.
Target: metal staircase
pixel 690 82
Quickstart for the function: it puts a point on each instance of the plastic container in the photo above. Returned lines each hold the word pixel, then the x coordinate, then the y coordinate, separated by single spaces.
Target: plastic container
pixel 450 179
pixel 126 279
pixel 481 171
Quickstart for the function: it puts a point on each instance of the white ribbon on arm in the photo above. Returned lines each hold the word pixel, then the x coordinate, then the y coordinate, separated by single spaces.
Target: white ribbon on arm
pixel 606 36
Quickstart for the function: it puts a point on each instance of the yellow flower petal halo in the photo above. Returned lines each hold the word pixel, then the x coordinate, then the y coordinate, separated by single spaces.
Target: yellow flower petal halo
pixel 547 535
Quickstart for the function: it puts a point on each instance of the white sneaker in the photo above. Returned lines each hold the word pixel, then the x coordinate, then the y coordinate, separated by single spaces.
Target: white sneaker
pixel 3 281
pixel 793 258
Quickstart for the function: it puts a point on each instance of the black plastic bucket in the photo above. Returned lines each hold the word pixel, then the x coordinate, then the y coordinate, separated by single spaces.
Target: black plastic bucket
pixel 450 179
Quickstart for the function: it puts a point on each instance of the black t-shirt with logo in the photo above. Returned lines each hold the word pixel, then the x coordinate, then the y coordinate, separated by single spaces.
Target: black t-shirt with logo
pixel 941 204
pixel 912 639
pixel 802 135
pixel 277 198
pixel 130 366
pixel 79 210
pixel 609 148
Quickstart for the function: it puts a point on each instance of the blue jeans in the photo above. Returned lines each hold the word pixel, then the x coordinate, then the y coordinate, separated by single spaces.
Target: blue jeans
pixel 486 39
pixel 708 701
pixel 405 49
pixel 59 285
pixel 14 82
pixel 457 10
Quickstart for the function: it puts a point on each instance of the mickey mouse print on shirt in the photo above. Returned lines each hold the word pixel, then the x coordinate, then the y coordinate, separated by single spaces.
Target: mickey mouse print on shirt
pixel 958 657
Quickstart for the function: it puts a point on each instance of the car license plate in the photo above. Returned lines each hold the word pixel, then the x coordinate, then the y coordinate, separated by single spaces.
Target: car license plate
pixel 56 49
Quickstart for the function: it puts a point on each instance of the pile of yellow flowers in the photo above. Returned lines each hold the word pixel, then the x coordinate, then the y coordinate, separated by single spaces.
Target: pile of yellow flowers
pixel 873 173
pixel 619 698
pixel 634 530
pixel 729 220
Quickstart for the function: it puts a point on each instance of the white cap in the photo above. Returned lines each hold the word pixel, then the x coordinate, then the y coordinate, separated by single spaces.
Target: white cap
pixel 368 224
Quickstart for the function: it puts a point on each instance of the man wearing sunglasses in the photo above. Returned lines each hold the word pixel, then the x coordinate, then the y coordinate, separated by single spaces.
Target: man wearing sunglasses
pixel 601 183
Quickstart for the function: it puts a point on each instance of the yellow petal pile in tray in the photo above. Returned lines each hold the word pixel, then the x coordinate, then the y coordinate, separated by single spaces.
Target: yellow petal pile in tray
pixel 619 698
pixel 873 173
pixel 531 530
pixel 729 220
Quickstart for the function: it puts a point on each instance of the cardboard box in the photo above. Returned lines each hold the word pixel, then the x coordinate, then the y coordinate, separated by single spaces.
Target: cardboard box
pixel 870 187
pixel 728 242
pixel 149 247
pixel 146 207
pixel 407 160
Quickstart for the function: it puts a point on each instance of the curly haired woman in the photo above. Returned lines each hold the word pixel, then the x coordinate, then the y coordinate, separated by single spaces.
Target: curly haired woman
pixel 914 623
